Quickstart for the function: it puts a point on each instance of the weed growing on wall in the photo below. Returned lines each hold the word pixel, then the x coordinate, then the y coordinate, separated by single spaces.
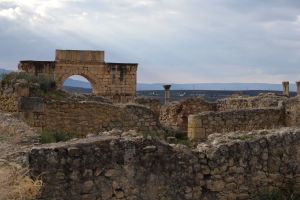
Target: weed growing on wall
pixel 49 136
pixel 37 83
pixel 41 86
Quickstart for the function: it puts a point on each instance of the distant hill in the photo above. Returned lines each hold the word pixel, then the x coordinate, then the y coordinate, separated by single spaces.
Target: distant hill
pixel 216 86
pixel 77 83
pixel 197 86
pixel 4 71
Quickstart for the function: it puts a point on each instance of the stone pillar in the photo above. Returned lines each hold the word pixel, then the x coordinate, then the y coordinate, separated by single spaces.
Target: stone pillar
pixel 195 130
pixel 286 88
pixel 298 88
pixel 167 93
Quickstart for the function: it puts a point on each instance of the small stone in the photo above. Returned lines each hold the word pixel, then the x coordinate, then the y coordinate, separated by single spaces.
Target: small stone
pixel 149 149
pixel 171 140
pixel 110 173
pixel 87 187
pixel 119 194
pixel 74 151
pixel 91 135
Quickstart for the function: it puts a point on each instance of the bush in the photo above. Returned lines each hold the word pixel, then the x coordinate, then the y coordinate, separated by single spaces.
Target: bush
pixel 39 83
pixel 48 136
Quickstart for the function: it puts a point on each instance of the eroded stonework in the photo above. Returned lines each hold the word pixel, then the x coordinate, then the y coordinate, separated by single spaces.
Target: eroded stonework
pixel 116 81
pixel 228 166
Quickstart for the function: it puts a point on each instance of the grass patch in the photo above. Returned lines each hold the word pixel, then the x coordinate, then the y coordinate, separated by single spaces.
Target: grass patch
pixel 48 136
pixel 181 138
pixel 15 184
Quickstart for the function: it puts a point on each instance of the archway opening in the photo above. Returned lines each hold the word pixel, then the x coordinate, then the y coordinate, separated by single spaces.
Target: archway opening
pixel 78 84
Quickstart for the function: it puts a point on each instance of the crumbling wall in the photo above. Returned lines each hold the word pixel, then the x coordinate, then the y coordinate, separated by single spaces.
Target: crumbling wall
pixel 153 104
pixel 10 95
pixel 174 115
pixel 293 111
pixel 242 102
pixel 206 123
pixel 230 166
pixel 84 117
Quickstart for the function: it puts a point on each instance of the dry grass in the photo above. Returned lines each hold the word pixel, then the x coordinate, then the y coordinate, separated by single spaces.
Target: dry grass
pixel 15 184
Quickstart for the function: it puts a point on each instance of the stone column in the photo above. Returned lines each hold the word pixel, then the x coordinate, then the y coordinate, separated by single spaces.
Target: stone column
pixel 286 88
pixel 298 88
pixel 167 93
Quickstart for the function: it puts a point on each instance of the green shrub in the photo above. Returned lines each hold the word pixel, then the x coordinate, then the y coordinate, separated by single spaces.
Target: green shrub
pixel 181 137
pixel 39 83
pixel 48 136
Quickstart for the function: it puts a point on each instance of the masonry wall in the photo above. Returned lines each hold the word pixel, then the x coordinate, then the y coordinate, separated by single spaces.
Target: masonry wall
pixel 293 111
pixel 225 167
pixel 153 104
pixel 206 123
pixel 10 95
pixel 174 115
pixel 84 117
pixel 45 68
pixel 242 102
pixel 8 103
pixel 115 81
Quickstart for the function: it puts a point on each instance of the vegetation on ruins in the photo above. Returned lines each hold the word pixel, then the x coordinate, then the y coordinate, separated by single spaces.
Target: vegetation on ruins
pixel 40 85
pixel 15 184
pixel 50 136
pixel 171 136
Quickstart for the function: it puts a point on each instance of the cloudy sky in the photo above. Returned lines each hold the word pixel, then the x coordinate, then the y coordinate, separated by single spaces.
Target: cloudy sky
pixel 178 41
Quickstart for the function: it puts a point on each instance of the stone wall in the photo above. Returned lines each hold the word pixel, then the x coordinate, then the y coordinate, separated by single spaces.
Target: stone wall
pixel 174 115
pixel 10 95
pixel 242 102
pixel 293 111
pixel 206 123
pixel 84 117
pixel 232 166
pixel 153 104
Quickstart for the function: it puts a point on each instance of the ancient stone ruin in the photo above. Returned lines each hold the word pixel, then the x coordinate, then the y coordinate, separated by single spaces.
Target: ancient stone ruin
pixel 116 81
pixel 127 147
pixel 227 166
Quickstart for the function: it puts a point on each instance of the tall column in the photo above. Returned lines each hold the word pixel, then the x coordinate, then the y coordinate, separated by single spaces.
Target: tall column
pixel 167 93
pixel 298 88
pixel 286 88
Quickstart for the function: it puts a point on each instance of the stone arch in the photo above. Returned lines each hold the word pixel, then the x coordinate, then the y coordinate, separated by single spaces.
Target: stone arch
pixel 60 79
pixel 107 78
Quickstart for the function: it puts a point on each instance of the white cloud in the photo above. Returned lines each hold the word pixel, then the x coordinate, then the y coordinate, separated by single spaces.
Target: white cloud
pixel 11 13
pixel 192 40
